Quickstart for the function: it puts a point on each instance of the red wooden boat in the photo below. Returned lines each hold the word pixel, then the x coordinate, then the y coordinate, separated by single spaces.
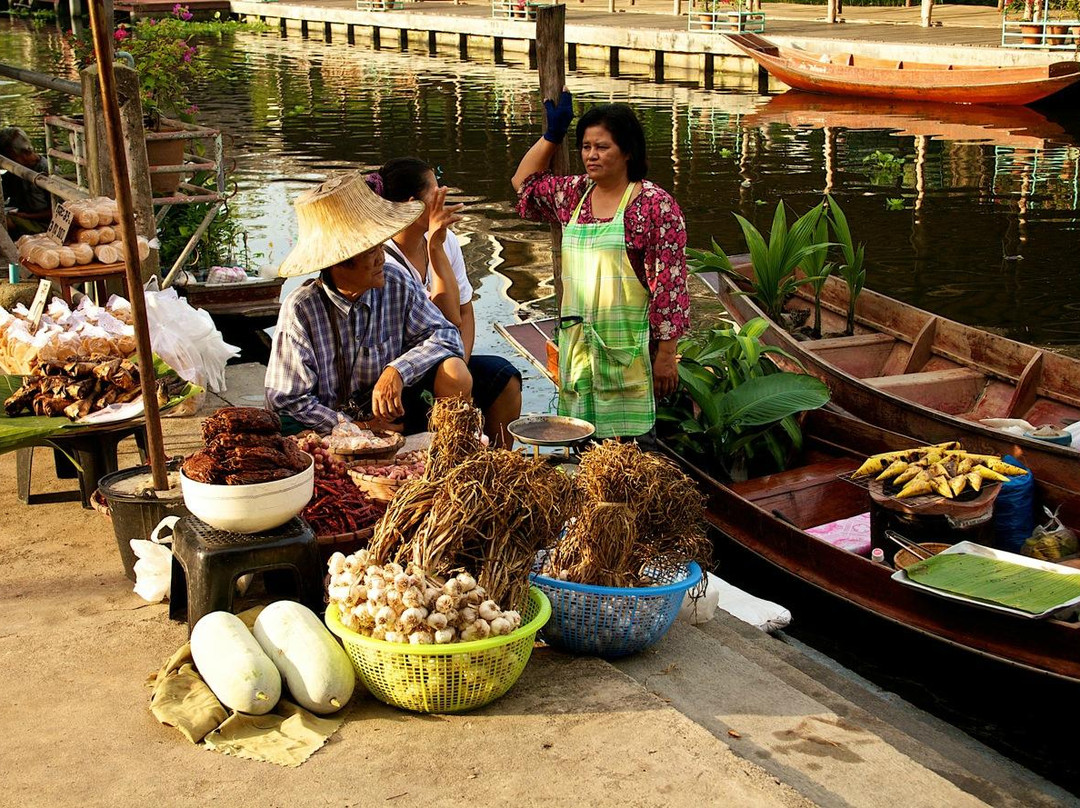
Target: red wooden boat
pixel 847 74
pixel 768 517
pixel 929 377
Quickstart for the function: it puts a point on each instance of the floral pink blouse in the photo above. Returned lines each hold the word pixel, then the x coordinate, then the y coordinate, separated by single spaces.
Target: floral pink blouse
pixel 655 240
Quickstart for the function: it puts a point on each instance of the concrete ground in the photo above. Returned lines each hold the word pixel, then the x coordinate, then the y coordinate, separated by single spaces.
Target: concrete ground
pixel 718 715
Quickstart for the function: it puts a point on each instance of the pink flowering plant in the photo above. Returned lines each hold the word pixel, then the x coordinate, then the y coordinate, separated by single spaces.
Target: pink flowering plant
pixel 169 64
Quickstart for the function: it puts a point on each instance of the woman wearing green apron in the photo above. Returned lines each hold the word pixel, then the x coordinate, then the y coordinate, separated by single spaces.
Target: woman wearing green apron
pixel 624 301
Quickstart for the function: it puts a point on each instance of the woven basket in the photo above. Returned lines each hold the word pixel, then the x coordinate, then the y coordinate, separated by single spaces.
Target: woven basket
pixel 449 678
pixel 385 453
pixel 376 487
pixel 611 622
pixel 346 543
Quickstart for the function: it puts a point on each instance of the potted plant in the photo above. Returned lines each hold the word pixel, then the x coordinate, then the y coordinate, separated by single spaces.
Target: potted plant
pixel 169 66
pixel 735 410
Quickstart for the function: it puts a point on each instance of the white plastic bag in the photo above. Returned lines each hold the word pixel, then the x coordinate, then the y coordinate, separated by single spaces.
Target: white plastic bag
pixel 153 570
pixel 187 339
pixel 762 614
pixel 699 604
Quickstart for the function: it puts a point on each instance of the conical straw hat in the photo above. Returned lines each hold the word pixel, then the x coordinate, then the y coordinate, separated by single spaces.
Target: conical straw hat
pixel 341 218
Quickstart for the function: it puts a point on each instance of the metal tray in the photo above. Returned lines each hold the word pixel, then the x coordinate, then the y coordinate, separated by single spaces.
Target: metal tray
pixel 971 548
pixel 550 430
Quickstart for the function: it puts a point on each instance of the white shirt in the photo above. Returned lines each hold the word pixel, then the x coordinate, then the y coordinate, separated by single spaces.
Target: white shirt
pixel 452 248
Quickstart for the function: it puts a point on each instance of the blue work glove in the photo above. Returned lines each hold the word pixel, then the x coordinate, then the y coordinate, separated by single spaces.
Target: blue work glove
pixel 558 117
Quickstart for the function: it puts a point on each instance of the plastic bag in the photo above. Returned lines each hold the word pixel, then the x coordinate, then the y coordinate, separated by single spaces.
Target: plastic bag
pixel 699 604
pixel 1051 541
pixel 188 341
pixel 153 570
pixel 1014 510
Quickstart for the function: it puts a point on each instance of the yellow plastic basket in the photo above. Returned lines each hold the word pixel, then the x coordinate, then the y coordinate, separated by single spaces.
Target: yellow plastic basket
pixel 449 678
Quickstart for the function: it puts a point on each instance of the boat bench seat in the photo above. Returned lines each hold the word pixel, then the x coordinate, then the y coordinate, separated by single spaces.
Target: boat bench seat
pixel 952 390
pixel 855 341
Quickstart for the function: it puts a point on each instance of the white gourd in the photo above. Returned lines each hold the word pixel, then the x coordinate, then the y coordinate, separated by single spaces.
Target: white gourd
pixel 233 664
pixel 313 664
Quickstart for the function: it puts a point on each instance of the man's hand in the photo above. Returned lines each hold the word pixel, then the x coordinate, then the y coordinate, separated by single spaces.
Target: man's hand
pixel 665 370
pixel 386 395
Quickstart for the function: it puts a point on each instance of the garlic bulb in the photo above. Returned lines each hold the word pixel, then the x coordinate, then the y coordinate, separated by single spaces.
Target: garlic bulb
pixel 499 626
pixel 437 621
pixel 445 635
pixel 336 564
pixel 514 618
pixel 396 636
pixel 401 582
pixel 466 616
pixel 452 587
pixel 466 581
pixel 412 598
pixel 489 610
pixel 445 603
pixel 422 638
pixel 339 591
pixel 411 619
pixel 385 616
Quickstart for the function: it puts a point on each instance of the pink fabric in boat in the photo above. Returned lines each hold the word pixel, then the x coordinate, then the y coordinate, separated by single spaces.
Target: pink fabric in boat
pixel 851 534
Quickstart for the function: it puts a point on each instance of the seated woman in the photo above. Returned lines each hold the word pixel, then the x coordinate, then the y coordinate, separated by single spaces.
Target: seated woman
pixel 361 339
pixel 33 205
pixel 431 253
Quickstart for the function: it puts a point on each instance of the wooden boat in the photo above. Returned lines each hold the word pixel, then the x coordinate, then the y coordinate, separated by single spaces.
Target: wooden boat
pixel 847 74
pixel 1013 127
pixel 929 377
pixel 769 517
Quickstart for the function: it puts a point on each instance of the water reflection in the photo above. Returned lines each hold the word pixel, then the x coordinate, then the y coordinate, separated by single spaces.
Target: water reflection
pixel 970 212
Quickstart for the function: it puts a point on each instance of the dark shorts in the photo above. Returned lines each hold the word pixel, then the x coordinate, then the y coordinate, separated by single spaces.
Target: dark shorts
pixel 490 376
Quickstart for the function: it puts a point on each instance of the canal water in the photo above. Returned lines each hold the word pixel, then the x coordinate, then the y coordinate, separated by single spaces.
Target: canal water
pixel 969 213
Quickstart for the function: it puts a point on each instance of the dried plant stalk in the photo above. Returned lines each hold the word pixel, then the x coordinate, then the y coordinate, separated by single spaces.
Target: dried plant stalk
pixel 458 427
pixel 659 523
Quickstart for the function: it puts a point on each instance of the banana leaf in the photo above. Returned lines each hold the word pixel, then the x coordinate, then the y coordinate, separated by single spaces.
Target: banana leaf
pixel 30 430
pixel 994 580
pixel 765 399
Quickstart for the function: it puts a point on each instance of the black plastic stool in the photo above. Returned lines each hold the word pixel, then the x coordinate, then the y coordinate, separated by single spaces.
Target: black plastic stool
pixel 94 449
pixel 207 562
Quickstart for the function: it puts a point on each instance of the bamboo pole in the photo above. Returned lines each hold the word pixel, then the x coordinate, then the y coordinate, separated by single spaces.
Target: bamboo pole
pixel 40 80
pixel 102 34
pixel 550 64
pixel 58 187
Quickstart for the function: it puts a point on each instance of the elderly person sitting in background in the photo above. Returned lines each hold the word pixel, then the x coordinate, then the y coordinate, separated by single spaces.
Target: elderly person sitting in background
pixel 33 206
pixel 361 339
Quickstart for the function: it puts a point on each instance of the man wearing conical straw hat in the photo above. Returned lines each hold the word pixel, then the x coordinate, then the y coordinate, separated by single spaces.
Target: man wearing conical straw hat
pixel 361 338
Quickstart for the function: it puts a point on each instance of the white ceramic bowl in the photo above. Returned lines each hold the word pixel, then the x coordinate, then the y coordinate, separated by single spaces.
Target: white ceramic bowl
pixel 249 508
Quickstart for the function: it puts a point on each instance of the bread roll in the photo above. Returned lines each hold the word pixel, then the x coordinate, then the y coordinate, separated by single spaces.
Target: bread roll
pixel 105 253
pixel 84 215
pixel 106 235
pixel 67 256
pixel 84 253
pixel 80 236
pixel 104 214
pixel 45 257
pixel 144 248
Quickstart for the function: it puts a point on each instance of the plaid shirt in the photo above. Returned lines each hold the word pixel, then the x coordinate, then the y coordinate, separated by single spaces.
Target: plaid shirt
pixel 395 326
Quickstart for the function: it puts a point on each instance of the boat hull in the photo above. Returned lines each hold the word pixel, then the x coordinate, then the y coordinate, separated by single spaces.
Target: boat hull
pixel 951 84
pixel 925 413
pixel 1042 647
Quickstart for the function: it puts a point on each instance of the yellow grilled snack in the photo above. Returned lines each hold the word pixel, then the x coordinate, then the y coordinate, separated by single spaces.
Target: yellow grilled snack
pixel 872 465
pixel 941 486
pixel 915 488
pixel 907 474
pixel 989 474
pixel 1001 467
pixel 949 444
pixel 958 484
pixel 894 468
pixel 964 465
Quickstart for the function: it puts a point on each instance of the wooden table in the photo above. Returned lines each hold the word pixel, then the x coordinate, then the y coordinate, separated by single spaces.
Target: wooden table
pixel 66 277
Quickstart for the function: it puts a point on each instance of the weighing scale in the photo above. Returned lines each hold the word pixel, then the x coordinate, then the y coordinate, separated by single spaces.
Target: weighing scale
pixel 551 430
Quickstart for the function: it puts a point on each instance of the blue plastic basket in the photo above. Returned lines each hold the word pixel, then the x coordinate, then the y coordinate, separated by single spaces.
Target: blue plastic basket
pixel 611 622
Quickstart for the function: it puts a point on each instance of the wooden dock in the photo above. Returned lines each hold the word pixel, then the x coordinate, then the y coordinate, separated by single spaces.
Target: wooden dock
pixel 648 40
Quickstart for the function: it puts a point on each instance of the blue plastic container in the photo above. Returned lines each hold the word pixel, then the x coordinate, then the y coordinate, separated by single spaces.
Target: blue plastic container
pixel 611 622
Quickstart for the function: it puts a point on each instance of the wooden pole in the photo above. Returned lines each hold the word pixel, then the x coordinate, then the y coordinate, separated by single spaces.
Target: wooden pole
pixel 831 11
pixel 131 119
pixel 926 13
pixel 99 176
pixel 114 132
pixel 550 45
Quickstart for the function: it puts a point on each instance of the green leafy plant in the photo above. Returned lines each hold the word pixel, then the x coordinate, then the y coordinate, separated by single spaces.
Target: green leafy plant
pixel 223 244
pixel 773 262
pixel 851 267
pixel 735 407
pixel 169 65
pixel 884 168
pixel 816 270
pixel 894 203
